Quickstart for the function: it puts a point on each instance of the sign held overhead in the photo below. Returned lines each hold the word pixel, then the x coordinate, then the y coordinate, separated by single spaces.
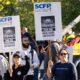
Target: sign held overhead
pixel 48 24
pixel 10 34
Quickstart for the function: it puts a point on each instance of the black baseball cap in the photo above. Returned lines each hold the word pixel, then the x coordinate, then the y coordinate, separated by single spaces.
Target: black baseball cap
pixel 16 55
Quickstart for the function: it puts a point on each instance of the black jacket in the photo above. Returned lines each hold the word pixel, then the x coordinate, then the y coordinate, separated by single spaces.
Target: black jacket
pixel 18 74
pixel 64 71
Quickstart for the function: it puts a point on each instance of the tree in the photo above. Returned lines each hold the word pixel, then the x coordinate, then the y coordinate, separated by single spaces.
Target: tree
pixel 24 8
pixel 7 7
pixel 70 10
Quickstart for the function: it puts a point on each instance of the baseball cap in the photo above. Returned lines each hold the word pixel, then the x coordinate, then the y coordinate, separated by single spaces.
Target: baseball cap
pixel 16 55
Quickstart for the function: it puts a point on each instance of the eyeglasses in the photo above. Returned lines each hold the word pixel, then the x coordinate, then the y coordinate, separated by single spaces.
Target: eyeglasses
pixel 63 54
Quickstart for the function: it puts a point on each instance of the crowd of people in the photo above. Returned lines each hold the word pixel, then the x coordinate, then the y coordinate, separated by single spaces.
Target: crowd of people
pixel 35 62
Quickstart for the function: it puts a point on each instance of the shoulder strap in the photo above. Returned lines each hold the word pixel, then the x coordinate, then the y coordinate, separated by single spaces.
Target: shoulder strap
pixel 32 53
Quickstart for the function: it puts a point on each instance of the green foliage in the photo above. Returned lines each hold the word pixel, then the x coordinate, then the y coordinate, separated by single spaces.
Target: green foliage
pixel 24 8
pixel 70 10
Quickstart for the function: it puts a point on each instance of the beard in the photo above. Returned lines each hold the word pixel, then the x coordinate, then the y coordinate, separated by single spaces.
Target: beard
pixel 25 46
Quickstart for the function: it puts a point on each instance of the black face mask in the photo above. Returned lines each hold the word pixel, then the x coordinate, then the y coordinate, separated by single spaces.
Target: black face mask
pixel 25 46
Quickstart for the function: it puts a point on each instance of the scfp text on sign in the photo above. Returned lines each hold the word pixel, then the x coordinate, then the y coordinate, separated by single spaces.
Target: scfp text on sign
pixel 40 6
pixel 5 19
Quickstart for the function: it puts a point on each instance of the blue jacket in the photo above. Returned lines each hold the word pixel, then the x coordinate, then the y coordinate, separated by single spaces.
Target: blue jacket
pixel 64 71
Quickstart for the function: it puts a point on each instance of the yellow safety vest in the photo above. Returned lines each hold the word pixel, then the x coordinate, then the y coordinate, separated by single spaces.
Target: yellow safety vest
pixel 76 49
pixel 68 37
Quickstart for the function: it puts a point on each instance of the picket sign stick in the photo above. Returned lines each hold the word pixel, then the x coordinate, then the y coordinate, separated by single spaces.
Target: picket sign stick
pixel 10 63
pixel 49 50
pixel 49 62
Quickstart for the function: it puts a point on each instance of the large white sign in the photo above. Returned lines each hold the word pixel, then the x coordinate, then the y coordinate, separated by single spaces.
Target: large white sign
pixel 10 34
pixel 48 25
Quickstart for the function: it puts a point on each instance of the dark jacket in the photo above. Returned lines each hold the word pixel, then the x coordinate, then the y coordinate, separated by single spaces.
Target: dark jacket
pixel 64 71
pixel 78 70
pixel 18 74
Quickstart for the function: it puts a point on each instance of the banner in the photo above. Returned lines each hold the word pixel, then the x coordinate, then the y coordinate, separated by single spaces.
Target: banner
pixel 10 34
pixel 48 25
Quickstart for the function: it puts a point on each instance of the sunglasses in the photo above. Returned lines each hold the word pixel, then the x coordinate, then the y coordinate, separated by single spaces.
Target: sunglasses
pixel 63 54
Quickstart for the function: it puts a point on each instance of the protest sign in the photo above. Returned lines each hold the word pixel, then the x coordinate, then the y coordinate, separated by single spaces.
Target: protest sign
pixel 10 34
pixel 48 25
